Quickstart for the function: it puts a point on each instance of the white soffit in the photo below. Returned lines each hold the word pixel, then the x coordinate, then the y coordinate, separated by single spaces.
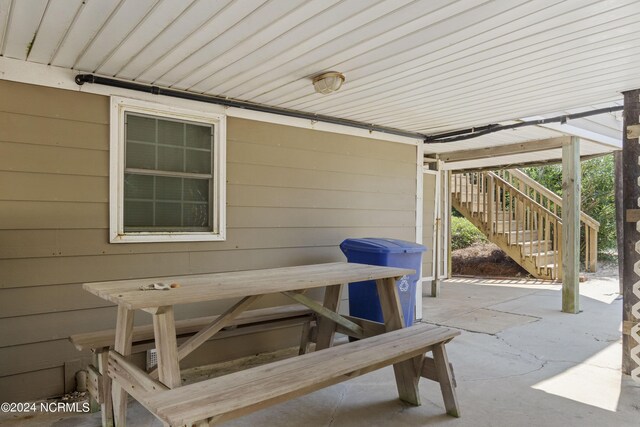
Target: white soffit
pixel 587 148
pixel 425 65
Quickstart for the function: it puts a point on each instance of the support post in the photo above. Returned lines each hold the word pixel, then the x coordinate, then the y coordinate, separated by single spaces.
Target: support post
pixel 619 200
pixel 437 232
pixel 629 278
pixel 571 225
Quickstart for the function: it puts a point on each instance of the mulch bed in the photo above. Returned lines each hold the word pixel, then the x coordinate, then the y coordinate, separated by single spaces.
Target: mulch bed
pixel 485 259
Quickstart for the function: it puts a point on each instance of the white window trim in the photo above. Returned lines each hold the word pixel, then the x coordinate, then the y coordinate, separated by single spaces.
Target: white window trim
pixel 116 172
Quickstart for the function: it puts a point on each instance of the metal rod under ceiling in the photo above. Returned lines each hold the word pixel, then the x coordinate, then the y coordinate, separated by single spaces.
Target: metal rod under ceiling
pixel 453 136
pixel 211 99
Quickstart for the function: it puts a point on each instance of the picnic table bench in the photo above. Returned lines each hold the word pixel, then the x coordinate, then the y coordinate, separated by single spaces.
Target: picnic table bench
pixel 142 337
pixel 218 399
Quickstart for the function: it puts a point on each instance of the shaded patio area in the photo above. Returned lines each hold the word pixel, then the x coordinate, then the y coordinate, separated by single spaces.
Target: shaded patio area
pixel 519 361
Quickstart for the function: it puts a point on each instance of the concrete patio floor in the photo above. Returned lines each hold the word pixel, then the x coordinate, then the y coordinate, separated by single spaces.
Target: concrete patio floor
pixel 518 362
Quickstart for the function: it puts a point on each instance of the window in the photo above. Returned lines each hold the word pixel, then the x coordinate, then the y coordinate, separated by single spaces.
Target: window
pixel 167 168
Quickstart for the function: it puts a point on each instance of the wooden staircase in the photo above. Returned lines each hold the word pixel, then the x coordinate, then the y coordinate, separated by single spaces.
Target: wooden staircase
pixel 522 217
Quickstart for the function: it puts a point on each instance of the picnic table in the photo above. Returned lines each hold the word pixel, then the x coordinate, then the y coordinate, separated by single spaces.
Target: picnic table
pixel 161 390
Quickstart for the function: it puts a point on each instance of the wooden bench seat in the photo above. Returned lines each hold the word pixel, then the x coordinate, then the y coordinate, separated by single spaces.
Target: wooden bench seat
pixel 251 321
pixel 219 399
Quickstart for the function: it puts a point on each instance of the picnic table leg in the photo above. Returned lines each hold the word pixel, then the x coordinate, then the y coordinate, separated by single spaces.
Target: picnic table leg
pixel 106 406
pixel 445 378
pixel 407 374
pixel 124 329
pixel 327 327
pixel 164 330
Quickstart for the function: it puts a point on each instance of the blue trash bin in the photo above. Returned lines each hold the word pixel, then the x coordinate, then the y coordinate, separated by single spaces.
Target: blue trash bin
pixel 363 296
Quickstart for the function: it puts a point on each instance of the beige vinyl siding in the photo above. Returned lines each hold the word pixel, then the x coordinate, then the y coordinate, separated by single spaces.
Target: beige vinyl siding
pixel 293 196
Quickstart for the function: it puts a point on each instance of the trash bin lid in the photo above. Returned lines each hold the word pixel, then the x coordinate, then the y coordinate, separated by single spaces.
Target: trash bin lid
pixel 381 245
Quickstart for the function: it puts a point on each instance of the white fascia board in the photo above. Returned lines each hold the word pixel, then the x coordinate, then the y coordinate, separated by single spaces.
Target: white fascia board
pixel 63 78
pixel 614 143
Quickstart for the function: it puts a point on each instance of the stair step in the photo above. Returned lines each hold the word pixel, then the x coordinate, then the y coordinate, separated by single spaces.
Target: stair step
pixel 500 228
pixel 550 254
pixel 470 199
pixel 522 236
pixel 540 259
pixel 532 248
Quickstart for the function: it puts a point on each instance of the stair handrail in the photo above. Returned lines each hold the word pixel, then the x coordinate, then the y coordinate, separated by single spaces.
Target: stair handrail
pixel 551 196
pixel 524 195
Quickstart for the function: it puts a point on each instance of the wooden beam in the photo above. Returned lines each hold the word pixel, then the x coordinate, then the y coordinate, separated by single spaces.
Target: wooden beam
pixel 106 405
pixel 369 327
pixel 505 150
pixel 164 328
pixel 445 378
pixel 217 324
pixel 134 380
pixel 326 325
pixel 429 371
pixel 94 384
pixel 631 193
pixel 571 226
pixel 619 203
pixel 326 313
pixel 520 165
pixel 633 215
pixel 407 373
pixel 223 320
pixel 633 131
pixel 123 342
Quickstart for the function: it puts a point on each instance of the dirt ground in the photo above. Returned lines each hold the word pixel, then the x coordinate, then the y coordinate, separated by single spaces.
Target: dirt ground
pixel 486 260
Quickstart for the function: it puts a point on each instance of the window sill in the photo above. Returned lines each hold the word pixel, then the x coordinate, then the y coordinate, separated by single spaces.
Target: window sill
pixel 167 237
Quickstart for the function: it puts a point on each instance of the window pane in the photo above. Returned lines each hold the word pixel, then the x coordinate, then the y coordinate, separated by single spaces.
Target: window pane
pixel 196 215
pixel 140 128
pixel 168 188
pixel 141 156
pixel 199 136
pixel 171 159
pixel 138 186
pixel 138 214
pixel 168 214
pixel 196 190
pixel 170 132
pixel 198 161
pixel 173 200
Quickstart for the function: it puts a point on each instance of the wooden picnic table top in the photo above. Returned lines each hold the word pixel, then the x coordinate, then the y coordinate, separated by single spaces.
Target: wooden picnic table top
pixel 237 284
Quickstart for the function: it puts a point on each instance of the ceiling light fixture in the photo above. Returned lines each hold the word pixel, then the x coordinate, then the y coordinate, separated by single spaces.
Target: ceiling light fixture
pixel 328 82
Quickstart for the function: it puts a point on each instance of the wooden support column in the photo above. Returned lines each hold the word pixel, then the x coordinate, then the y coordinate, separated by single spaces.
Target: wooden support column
pixel 571 226
pixel 619 200
pixel 437 232
pixel 631 192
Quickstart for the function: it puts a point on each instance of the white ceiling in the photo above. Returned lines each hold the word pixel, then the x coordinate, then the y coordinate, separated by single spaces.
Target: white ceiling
pixel 424 65
pixel 599 134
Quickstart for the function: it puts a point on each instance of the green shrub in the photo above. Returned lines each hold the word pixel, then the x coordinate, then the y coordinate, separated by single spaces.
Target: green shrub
pixel 597 190
pixel 464 234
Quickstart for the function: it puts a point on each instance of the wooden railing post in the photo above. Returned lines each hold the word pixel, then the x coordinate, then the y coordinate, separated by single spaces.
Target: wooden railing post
pixel 593 250
pixel 492 195
pixel 553 203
